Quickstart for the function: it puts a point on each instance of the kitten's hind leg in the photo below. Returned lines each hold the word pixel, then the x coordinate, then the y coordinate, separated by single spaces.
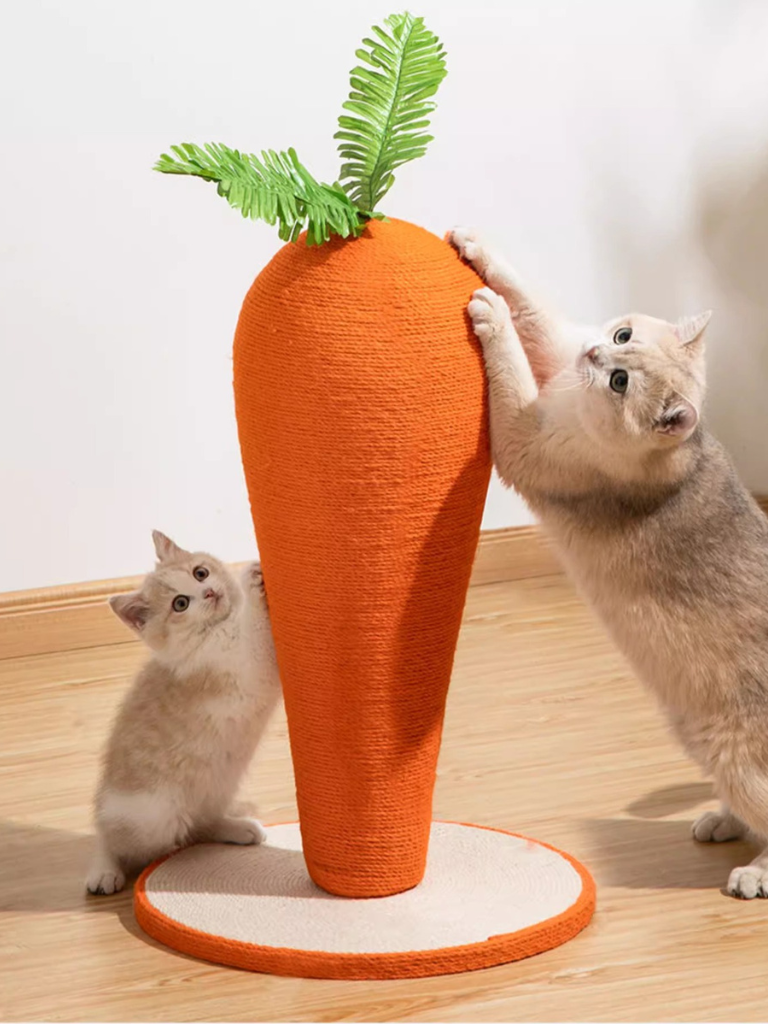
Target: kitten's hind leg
pixel 718 827
pixel 134 829
pixel 242 831
pixel 105 876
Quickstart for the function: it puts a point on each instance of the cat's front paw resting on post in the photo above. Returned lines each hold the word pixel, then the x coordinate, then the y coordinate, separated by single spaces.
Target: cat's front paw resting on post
pixel 490 316
pixel 253 582
pixel 466 241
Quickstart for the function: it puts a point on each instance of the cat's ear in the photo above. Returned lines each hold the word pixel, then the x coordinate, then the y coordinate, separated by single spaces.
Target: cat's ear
pixel 165 549
pixel 131 609
pixel 689 329
pixel 679 419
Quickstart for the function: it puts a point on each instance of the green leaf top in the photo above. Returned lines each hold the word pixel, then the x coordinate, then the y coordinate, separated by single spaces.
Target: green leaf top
pixel 276 188
pixel 390 103
pixel 390 99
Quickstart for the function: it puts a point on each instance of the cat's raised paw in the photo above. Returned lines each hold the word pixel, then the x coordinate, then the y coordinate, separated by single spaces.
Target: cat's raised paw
pixel 467 243
pixel 748 883
pixel 105 882
pixel 717 827
pixel 241 831
pixel 253 579
pixel 489 314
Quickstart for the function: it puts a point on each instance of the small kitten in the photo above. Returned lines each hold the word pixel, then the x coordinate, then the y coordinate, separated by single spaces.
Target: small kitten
pixel 599 431
pixel 188 727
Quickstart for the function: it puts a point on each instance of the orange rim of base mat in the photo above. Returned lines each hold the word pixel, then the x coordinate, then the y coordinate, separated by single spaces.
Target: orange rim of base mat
pixel 293 962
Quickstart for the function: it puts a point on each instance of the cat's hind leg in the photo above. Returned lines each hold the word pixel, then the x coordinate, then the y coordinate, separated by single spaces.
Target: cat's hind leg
pixel 105 875
pixel 231 829
pixel 752 880
pixel 743 785
pixel 134 829
pixel 718 827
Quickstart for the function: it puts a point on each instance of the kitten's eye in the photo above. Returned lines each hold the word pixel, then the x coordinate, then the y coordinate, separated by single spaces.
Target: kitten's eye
pixel 619 381
pixel 200 573
pixel 180 603
pixel 622 336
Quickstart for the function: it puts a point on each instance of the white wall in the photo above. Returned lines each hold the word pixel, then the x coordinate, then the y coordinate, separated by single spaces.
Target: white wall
pixel 618 149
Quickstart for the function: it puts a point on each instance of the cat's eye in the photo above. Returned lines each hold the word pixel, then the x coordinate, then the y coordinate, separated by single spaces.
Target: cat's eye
pixel 200 573
pixel 622 336
pixel 619 381
pixel 180 603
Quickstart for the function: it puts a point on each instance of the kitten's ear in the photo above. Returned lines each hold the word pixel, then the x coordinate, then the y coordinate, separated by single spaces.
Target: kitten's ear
pixel 689 329
pixel 165 549
pixel 132 609
pixel 679 419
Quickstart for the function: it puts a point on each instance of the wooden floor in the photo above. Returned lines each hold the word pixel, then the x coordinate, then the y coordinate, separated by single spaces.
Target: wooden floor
pixel 546 733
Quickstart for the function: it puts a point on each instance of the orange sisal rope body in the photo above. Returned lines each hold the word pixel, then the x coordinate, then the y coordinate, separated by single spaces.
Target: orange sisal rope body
pixel 361 412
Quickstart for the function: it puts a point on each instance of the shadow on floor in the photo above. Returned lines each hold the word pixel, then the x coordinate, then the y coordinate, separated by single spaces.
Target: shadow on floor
pixel 242 871
pixel 641 854
pixel 660 803
pixel 42 870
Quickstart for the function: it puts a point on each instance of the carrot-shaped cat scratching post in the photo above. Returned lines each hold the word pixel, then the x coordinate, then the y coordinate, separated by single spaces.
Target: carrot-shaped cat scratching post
pixel 360 404
pixel 361 415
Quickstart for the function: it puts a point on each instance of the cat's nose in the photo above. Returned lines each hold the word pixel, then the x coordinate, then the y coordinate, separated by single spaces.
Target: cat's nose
pixel 210 594
pixel 593 354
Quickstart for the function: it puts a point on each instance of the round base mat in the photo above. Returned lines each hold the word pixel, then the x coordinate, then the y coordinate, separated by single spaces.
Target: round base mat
pixel 488 897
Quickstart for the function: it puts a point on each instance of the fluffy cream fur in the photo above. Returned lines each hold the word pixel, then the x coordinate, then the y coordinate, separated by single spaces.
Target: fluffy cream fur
pixel 649 516
pixel 189 725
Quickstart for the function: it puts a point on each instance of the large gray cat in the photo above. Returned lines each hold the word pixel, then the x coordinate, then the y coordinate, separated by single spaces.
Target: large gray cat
pixel 599 430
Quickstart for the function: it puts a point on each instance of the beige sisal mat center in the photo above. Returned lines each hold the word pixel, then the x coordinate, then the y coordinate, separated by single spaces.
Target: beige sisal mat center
pixel 488 897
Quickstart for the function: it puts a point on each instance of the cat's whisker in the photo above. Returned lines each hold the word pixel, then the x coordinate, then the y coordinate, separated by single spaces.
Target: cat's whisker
pixel 576 386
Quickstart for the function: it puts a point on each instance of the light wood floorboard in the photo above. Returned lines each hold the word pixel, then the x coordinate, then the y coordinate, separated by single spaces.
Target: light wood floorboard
pixel 546 733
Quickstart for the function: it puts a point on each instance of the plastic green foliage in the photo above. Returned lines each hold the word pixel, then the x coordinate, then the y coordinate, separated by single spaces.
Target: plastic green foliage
pixel 277 189
pixel 390 101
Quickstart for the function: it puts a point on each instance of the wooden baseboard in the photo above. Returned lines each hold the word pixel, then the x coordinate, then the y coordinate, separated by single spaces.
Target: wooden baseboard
pixel 68 618
pixel 516 553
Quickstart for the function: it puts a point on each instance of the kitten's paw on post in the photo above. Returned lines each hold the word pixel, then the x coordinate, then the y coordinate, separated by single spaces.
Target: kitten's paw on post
pixel 749 882
pixel 253 580
pixel 717 827
pixel 241 831
pixel 489 314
